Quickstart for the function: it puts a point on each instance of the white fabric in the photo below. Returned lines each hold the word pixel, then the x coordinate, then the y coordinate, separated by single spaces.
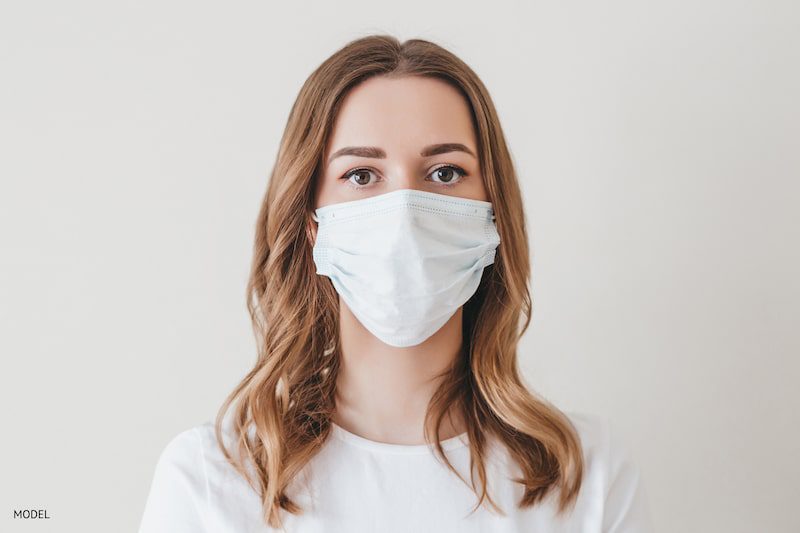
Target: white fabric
pixel 406 260
pixel 358 485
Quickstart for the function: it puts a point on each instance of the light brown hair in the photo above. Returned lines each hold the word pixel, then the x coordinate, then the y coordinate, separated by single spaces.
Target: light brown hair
pixel 288 397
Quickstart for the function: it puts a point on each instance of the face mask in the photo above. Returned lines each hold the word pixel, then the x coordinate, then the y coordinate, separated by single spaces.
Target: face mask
pixel 405 261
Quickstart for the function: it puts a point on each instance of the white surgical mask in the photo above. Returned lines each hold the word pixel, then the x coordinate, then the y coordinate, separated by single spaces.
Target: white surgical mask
pixel 405 261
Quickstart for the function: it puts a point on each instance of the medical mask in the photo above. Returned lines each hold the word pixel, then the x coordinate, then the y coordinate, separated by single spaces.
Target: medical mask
pixel 405 261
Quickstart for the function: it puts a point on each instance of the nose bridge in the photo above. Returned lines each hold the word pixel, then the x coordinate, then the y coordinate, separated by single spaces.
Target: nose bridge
pixel 404 173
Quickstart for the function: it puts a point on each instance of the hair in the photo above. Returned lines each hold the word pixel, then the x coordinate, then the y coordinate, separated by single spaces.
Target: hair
pixel 288 397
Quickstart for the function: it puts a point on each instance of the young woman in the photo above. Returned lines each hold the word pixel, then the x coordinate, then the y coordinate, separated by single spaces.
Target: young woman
pixel 388 291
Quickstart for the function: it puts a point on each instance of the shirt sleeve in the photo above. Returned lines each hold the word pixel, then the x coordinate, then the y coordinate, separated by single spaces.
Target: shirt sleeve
pixel 178 491
pixel 627 508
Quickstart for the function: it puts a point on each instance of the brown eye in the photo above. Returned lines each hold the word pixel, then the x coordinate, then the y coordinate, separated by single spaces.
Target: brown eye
pixel 447 174
pixel 359 177
pixel 444 174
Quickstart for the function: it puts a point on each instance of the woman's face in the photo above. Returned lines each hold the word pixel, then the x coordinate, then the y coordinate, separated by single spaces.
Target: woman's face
pixel 401 133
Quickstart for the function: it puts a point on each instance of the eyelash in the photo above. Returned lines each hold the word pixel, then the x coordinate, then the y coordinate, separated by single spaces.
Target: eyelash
pixel 462 174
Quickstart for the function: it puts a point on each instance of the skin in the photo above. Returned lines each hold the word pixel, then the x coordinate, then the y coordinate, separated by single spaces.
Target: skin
pixel 383 391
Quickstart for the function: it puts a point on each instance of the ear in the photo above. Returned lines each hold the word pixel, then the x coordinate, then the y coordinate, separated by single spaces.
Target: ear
pixel 311 229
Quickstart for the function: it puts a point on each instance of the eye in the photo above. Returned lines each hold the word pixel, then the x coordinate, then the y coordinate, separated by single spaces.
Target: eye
pixel 445 175
pixel 359 178
pixel 448 175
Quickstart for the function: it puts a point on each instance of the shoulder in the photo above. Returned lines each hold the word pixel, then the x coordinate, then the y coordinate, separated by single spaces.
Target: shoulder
pixel 592 427
pixel 182 457
pixel 177 497
pixel 198 444
pixel 186 441
pixel 601 441
pixel 612 472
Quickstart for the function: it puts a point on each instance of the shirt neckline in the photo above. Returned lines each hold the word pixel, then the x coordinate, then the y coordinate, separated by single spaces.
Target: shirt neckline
pixel 459 441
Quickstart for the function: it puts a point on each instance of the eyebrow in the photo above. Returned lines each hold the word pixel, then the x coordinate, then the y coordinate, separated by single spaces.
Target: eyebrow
pixel 378 153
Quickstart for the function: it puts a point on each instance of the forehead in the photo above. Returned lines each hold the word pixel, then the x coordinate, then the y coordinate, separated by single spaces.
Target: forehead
pixel 402 113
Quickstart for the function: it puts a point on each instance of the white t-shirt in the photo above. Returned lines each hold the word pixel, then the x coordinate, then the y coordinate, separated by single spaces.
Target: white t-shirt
pixel 358 485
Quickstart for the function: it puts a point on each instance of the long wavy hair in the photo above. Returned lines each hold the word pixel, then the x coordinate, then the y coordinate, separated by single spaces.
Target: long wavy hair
pixel 282 408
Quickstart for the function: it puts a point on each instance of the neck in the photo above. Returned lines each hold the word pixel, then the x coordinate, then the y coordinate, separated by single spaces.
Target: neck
pixel 382 392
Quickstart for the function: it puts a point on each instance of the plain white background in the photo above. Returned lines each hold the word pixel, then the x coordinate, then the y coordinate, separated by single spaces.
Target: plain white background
pixel 657 145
